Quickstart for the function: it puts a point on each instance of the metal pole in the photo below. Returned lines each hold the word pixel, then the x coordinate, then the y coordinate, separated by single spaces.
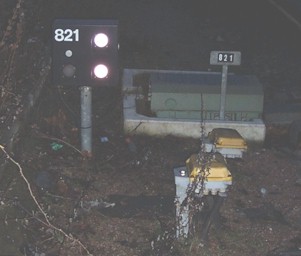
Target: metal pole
pixel 223 92
pixel 182 218
pixel 86 119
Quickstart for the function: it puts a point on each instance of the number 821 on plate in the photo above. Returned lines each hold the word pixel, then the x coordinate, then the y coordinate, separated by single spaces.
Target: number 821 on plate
pixel 225 58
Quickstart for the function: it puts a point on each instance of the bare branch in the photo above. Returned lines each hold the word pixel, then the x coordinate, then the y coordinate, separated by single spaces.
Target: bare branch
pixel 45 222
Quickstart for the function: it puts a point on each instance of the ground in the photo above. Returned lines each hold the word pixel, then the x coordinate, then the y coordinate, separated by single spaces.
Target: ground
pixel 121 202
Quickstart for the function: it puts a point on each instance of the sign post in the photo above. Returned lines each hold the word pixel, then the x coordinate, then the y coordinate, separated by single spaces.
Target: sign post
pixel 86 119
pixel 224 58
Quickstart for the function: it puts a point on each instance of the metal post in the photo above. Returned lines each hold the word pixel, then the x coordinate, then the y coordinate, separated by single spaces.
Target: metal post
pixel 182 218
pixel 223 92
pixel 86 119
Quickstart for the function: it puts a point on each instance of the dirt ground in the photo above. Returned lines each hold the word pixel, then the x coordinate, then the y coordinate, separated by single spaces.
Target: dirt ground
pixel 121 202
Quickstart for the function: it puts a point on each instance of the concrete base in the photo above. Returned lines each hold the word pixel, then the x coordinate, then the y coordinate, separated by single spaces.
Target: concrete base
pixel 139 124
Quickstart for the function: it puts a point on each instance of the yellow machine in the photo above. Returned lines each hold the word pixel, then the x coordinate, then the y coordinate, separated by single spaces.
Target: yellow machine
pixel 215 174
pixel 204 176
pixel 226 141
pixel 229 138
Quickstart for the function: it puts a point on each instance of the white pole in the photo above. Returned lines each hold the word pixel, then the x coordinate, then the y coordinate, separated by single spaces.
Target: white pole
pixel 86 119
pixel 223 92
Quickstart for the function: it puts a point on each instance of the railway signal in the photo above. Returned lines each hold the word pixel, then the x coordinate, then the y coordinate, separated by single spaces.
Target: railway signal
pixel 85 52
pixel 85 55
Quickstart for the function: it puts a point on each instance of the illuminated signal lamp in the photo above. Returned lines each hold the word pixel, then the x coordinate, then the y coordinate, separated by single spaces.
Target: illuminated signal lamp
pixel 101 40
pixel 101 71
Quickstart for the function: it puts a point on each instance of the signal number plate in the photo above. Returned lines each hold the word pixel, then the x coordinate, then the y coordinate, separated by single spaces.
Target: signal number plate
pixel 225 58
pixel 66 35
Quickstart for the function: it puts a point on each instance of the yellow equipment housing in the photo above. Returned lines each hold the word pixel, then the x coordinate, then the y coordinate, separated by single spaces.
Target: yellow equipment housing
pixel 227 138
pixel 216 174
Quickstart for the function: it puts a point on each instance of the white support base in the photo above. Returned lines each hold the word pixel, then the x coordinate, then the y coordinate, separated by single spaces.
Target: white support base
pixel 226 152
